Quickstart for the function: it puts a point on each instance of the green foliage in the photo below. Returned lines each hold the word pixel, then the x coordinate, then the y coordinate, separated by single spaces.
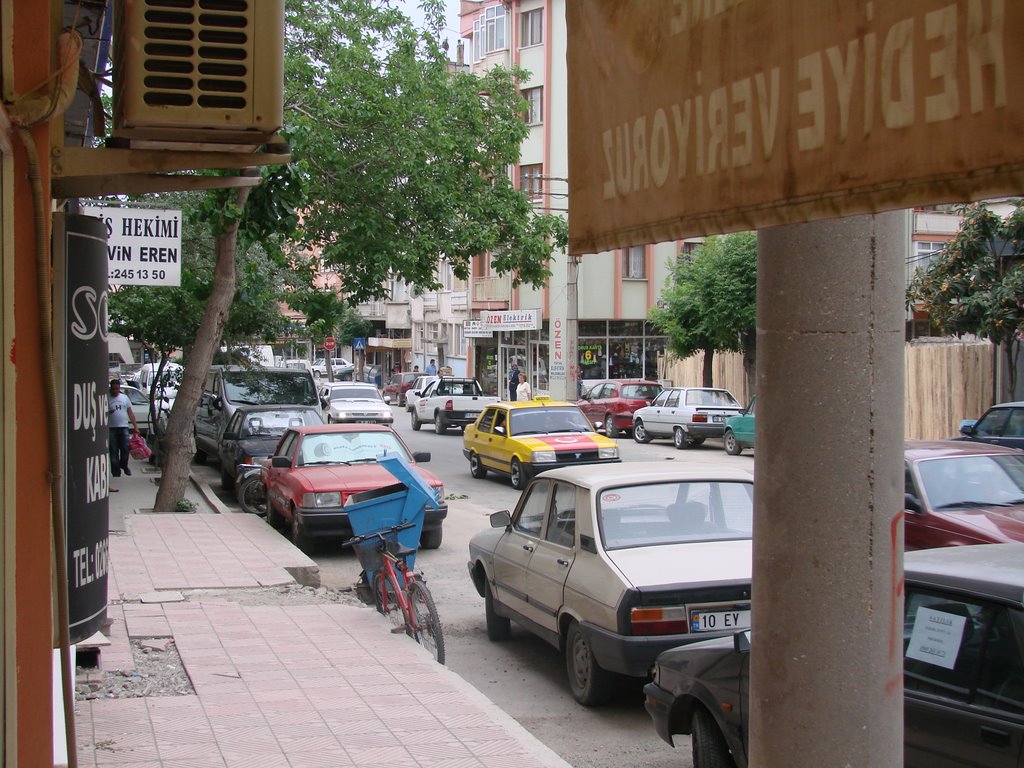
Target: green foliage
pixel 402 161
pixel 976 284
pixel 711 300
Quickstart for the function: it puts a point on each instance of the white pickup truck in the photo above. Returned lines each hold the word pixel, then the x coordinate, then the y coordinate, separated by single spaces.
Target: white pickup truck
pixel 450 402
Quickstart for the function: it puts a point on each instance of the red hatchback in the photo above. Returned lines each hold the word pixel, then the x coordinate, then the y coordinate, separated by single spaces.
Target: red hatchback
pixel 962 493
pixel 315 469
pixel 610 404
pixel 397 385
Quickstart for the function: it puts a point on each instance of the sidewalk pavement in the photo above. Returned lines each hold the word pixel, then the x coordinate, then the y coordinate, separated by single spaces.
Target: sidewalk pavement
pixel 292 686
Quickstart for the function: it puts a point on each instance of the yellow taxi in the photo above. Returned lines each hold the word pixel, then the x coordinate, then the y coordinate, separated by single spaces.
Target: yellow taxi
pixel 524 437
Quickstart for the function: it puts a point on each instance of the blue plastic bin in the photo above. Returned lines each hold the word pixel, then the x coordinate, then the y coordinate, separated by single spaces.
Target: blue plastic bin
pixel 403 502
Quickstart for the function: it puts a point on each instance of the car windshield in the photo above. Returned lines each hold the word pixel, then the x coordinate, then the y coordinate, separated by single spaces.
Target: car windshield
pixel 274 423
pixel 675 513
pixel 641 391
pixel 534 421
pixel 348 448
pixel 355 393
pixel 973 481
pixel 270 387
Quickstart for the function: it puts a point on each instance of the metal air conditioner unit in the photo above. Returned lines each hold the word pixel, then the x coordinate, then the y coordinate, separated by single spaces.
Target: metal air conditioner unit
pixel 198 70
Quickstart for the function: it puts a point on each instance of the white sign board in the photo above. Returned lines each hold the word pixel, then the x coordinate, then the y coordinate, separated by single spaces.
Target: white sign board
pixel 936 637
pixel 475 329
pixel 512 320
pixel 143 245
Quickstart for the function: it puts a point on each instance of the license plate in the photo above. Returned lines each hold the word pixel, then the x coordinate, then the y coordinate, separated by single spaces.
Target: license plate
pixel 472 414
pixel 718 419
pixel 719 621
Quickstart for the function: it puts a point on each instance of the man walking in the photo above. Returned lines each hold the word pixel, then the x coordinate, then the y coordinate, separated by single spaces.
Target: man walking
pixel 513 380
pixel 432 367
pixel 119 414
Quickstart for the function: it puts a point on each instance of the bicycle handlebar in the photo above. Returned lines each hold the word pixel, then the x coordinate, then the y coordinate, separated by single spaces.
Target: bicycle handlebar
pixel 378 534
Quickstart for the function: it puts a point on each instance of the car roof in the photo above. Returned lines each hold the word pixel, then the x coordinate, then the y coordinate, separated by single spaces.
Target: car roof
pixel 995 571
pixel 917 450
pixel 278 407
pixel 1014 404
pixel 636 472
pixel 629 381
pixel 320 429
pixel 706 389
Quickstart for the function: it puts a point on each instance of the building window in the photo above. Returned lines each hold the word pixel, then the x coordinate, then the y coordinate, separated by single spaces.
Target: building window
pixel 534 99
pixel 532 29
pixel 489 31
pixel 634 263
pixel 925 254
pixel 530 180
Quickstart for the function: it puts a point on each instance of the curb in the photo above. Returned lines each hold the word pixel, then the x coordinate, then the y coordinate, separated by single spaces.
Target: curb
pixel 211 499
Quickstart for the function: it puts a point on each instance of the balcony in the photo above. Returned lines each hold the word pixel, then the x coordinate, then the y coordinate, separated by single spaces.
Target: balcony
pixel 372 310
pixel 493 288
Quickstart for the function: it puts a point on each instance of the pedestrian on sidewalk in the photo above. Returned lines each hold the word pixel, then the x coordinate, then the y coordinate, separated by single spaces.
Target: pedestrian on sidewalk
pixel 119 416
pixel 432 367
pixel 513 380
pixel 523 391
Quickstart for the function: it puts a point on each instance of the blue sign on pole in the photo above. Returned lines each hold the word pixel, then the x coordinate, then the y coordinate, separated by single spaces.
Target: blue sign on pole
pixel 358 345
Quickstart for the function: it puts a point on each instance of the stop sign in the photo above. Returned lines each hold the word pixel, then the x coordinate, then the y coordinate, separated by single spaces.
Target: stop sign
pixel 329 343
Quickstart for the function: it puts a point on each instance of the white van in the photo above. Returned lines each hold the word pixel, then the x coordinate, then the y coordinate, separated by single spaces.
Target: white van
pixel 171 375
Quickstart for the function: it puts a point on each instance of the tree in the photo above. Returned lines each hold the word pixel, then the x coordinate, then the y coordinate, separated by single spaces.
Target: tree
pixel 710 302
pixel 976 283
pixel 405 162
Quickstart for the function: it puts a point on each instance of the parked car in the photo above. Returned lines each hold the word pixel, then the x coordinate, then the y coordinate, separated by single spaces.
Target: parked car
pixel 338 365
pixel 610 404
pixel 614 565
pixel 230 386
pixel 140 408
pixel 963 688
pixel 739 430
pixel 353 402
pixel 418 387
pixel 252 433
pixel 315 469
pixel 1002 424
pixel 524 437
pixel 962 493
pixel 688 415
pixel 398 385
pixel 448 402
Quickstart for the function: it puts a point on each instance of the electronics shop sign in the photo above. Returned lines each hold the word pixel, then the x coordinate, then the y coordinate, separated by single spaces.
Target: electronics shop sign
pixel 691 117
pixel 143 246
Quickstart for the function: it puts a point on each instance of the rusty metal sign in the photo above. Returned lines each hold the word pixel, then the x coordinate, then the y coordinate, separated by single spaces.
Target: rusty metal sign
pixel 690 117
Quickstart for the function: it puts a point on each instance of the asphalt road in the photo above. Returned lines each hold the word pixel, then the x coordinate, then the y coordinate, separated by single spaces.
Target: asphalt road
pixel 524 676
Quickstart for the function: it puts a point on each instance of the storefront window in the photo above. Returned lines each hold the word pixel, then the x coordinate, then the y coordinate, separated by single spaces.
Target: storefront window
pixel 592 358
pixel 654 348
pixel 593 328
pixel 629 328
pixel 625 360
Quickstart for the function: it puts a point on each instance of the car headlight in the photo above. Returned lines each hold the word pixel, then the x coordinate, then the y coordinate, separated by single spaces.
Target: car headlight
pixel 323 499
pixel 607 453
pixel 543 457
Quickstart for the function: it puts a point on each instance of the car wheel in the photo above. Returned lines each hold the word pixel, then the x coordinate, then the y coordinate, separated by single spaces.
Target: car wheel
pixel 732 445
pixel 416 423
pixel 401 401
pixel 609 427
pixel 431 539
pixel 227 482
pixel 440 425
pixel 299 537
pixel 639 433
pixel 498 627
pixel 709 747
pixel 589 683
pixel 476 469
pixel 519 475
pixel 274 518
pixel 199 457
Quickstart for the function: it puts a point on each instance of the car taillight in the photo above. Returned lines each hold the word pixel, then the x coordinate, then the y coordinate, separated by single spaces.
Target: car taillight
pixel 700 417
pixel 659 621
pixel 448 405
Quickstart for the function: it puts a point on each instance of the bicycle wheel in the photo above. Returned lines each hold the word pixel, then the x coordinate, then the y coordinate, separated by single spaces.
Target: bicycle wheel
pixel 427 627
pixel 385 595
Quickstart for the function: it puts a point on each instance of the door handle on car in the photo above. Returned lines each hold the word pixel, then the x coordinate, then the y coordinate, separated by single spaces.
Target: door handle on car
pixel 562 561
pixel 528 547
pixel 997 737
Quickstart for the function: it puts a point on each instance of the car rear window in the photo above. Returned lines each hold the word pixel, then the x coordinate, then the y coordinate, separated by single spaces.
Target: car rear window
pixel 675 513
pixel 710 397
pixel 640 391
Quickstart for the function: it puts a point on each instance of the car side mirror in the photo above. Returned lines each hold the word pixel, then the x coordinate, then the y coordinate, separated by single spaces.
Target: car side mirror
pixel 969 428
pixel 421 456
pixel 229 436
pixel 911 503
pixel 280 462
pixel 501 519
pixel 218 403
pixel 324 402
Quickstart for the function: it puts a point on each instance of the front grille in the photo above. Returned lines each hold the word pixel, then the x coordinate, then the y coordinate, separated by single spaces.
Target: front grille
pixel 575 457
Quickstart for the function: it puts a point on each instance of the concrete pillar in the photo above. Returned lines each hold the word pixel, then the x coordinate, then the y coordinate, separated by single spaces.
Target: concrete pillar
pixel 826 666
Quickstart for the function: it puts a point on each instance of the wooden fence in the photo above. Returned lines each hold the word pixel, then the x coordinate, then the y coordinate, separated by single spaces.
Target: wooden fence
pixel 945 382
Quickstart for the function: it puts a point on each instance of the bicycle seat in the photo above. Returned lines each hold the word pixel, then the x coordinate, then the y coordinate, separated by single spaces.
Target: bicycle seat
pixel 398 549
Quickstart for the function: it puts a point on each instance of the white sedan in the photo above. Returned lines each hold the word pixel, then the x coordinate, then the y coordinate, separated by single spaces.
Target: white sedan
pixel 617 563
pixel 351 402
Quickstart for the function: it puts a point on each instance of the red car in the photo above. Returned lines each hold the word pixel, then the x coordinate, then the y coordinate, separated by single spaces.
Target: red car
pixel 962 493
pixel 398 385
pixel 315 469
pixel 610 404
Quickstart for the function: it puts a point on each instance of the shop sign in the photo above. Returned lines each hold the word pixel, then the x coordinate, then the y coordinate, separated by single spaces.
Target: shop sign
pixel 512 320
pixel 143 245
pixel 817 110
pixel 475 329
